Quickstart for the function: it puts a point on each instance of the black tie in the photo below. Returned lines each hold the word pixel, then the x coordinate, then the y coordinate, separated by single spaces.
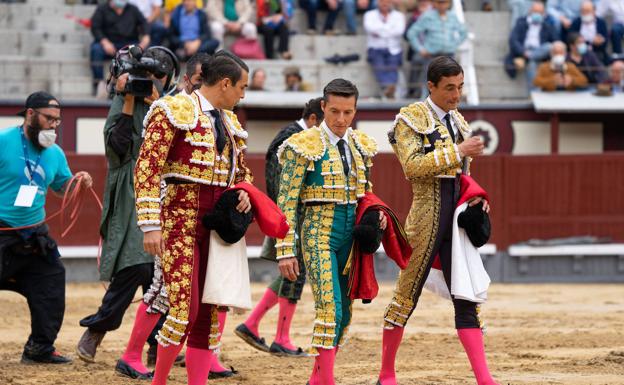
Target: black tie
pixel 343 156
pixel 449 126
pixel 219 128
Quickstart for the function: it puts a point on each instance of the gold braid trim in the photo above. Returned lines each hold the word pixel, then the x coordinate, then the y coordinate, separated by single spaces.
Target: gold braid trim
pixel 418 117
pixel 367 145
pixel 309 143
pixel 181 111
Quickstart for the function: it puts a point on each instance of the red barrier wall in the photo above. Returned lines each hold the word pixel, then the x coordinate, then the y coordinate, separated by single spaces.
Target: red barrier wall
pixel 532 196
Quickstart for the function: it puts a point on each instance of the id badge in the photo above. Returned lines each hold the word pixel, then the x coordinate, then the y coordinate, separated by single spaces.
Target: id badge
pixel 26 196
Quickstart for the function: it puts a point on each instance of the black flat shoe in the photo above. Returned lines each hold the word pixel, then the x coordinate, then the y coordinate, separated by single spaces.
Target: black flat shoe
pixel 50 358
pixel 243 332
pixel 225 374
pixel 279 350
pixel 126 370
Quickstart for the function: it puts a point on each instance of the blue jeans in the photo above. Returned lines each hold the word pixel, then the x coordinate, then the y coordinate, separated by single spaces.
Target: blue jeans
pixel 350 11
pixel 536 56
pixel 385 65
pixel 158 32
pixel 617 34
pixel 98 56
pixel 312 6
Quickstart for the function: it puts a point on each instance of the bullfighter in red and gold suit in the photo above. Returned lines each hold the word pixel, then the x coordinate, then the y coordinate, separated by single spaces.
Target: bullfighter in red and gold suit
pixel 194 143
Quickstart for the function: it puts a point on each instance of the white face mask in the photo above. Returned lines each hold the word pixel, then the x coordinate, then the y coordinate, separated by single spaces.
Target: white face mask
pixel 47 138
pixel 558 60
pixel 587 18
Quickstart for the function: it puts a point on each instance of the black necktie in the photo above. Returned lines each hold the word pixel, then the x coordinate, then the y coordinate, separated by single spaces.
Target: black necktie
pixel 449 126
pixel 343 156
pixel 219 129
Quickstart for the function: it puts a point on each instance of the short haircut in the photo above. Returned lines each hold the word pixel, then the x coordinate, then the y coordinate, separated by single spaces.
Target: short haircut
pixel 223 65
pixel 442 67
pixel 313 106
pixel 340 87
pixel 572 36
pixel 199 58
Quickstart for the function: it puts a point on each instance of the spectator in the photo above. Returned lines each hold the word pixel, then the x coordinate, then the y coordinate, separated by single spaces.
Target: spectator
pixel 562 13
pixel 294 80
pixel 519 9
pixel 529 43
pixel 585 59
pixel 384 28
pixel 312 6
pixel 151 11
pixel 258 78
pixel 350 8
pixel 114 25
pixel 229 17
pixel 170 5
pixel 616 77
pixel 436 33
pixel 593 29
pixel 273 22
pixel 615 10
pixel 31 266
pixel 192 76
pixel 189 32
pixel 557 74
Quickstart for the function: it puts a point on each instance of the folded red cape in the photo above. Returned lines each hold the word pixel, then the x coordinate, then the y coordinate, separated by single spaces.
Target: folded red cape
pixel 270 218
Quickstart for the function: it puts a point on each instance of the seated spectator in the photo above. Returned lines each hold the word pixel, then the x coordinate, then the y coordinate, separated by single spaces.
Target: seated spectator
pixel 593 29
pixel 114 25
pixel 586 60
pixel 559 74
pixel 273 22
pixel 311 7
pixel 529 43
pixel 189 32
pixel 616 77
pixel 151 11
pixel 384 28
pixel 258 78
pixel 613 9
pixel 562 13
pixel 170 5
pixel 229 17
pixel 437 32
pixel 294 80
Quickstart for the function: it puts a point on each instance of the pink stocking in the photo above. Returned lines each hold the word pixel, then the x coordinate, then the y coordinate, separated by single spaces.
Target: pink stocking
pixel 286 313
pixel 390 345
pixel 144 323
pixel 472 339
pixel 269 299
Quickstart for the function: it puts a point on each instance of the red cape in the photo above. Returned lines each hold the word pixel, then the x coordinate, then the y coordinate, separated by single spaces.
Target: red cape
pixel 270 218
pixel 362 281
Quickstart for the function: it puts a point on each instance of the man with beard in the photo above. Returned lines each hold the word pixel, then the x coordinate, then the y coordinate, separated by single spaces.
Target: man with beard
pixel 124 262
pixel 30 263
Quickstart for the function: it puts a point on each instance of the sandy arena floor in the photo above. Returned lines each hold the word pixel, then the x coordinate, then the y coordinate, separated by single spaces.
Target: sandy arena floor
pixel 537 334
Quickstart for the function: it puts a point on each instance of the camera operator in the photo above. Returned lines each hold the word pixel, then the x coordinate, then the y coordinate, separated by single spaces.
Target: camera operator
pixel 124 262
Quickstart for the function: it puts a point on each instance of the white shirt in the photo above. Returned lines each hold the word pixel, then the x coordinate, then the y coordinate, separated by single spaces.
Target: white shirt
pixel 614 7
pixel 532 39
pixel 301 122
pixel 588 31
pixel 146 6
pixel 441 114
pixel 206 107
pixel 385 33
pixel 333 140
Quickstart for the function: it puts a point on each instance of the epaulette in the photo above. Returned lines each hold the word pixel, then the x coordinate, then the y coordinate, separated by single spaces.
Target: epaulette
pixel 308 143
pixel 418 117
pixel 234 124
pixel 367 145
pixel 180 109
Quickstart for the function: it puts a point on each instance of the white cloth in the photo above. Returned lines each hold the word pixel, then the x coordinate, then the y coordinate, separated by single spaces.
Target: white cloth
pixel 441 114
pixel 532 39
pixel 385 33
pixel 588 31
pixel 227 274
pixel 301 122
pixel 615 8
pixel 333 140
pixel 469 280
pixel 146 6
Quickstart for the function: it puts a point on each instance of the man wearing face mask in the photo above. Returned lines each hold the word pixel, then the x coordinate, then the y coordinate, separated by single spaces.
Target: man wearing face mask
pixel 586 60
pixel 29 258
pixel 529 43
pixel 593 29
pixel 123 262
pixel 559 74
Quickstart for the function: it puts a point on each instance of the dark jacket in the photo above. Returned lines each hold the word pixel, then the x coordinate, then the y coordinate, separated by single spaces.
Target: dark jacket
pixel 601 29
pixel 120 29
pixel 519 33
pixel 174 28
pixel 591 67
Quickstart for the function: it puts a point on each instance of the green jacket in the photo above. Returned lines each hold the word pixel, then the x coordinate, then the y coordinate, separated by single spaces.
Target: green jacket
pixel 122 239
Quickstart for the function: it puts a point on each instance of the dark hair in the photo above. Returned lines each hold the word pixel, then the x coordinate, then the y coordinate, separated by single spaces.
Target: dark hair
pixel 442 67
pixel 167 65
pixel 340 87
pixel 313 106
pixel 572 36
pixel 198 58
pixel 222 65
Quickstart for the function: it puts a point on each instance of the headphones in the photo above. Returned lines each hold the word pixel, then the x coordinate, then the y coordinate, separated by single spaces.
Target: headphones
pixel 172 79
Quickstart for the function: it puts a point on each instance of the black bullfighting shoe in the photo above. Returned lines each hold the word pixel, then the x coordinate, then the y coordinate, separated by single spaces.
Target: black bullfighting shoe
pixel 281 351
pixel 49 358
pixel 124 369
pixel 225 374
pixel 243 332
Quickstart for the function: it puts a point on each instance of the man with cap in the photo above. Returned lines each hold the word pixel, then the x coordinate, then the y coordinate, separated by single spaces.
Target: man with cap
pixel 30 265
pixel 282 291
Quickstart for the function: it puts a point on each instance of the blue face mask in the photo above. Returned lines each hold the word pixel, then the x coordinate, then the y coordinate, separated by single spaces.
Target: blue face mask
pixel 582 48
pixel 120 3
pixel 536 18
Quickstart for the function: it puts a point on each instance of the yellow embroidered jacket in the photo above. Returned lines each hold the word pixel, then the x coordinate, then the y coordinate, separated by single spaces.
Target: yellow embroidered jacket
pixel 312 172
pixel 180 143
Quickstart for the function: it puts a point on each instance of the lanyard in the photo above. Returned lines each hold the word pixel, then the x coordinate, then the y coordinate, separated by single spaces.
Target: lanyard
pixel 31 171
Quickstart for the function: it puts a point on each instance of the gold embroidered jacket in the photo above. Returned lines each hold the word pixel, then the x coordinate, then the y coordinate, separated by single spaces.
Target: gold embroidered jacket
pixel 312 172
pixel 180 143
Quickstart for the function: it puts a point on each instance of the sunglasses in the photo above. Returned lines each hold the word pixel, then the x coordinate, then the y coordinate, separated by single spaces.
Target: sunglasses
pixel 51 119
